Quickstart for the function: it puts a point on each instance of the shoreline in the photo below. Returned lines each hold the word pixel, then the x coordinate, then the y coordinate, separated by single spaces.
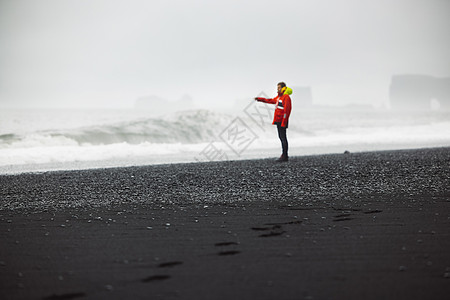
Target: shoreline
pixel 255 154
pixel 372 225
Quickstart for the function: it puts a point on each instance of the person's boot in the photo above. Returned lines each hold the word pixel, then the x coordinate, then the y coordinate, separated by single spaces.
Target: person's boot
pixel 283 158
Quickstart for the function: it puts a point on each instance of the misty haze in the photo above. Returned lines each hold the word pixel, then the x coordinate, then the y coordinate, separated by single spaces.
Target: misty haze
pixel 92 84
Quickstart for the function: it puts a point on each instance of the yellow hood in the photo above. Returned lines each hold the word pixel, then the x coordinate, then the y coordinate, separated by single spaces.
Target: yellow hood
pixel 288 91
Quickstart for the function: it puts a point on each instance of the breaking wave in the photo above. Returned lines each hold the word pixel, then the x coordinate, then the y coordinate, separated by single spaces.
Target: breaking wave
pixel 185 127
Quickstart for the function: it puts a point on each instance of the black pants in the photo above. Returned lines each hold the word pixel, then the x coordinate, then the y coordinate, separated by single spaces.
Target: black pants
pixel 283 138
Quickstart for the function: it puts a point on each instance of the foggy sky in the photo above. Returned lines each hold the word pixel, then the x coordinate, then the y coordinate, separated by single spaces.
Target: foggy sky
pixel 105 53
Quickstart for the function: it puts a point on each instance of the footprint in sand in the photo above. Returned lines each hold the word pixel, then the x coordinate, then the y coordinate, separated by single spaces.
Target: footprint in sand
pixel 343 219
pixel 272 233
pixel 274 227
pixel 285 223
pixel 347 217
pixel 231 252
pixel 226 244
pixel 170 264
pixel 155 278
pixel 376 211
pixel 65 296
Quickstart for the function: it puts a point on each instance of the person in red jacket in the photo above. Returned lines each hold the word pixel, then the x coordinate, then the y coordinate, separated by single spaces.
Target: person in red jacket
pixel 281 116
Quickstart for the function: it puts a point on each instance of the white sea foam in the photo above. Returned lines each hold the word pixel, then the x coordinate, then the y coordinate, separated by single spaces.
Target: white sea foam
pixel 81 139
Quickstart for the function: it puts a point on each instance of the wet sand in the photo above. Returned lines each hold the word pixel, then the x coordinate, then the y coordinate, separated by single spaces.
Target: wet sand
pixel 347 226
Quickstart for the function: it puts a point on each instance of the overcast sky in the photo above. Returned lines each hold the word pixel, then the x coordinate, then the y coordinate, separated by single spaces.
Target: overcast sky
pixel 105 53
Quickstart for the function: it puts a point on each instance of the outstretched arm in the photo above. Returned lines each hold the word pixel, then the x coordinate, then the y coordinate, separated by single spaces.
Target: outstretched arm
pixel 265 100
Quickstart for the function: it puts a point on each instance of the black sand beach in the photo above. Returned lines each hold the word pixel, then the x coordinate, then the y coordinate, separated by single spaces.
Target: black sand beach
pixel 345 226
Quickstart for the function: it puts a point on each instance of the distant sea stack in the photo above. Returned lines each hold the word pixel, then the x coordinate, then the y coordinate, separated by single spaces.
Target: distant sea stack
pixel 419 92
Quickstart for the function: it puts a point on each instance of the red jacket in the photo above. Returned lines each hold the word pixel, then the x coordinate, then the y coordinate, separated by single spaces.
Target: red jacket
pixel 282 110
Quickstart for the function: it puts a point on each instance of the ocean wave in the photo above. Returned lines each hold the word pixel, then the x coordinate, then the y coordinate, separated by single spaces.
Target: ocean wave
pixel 187 134
pixel 189 127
